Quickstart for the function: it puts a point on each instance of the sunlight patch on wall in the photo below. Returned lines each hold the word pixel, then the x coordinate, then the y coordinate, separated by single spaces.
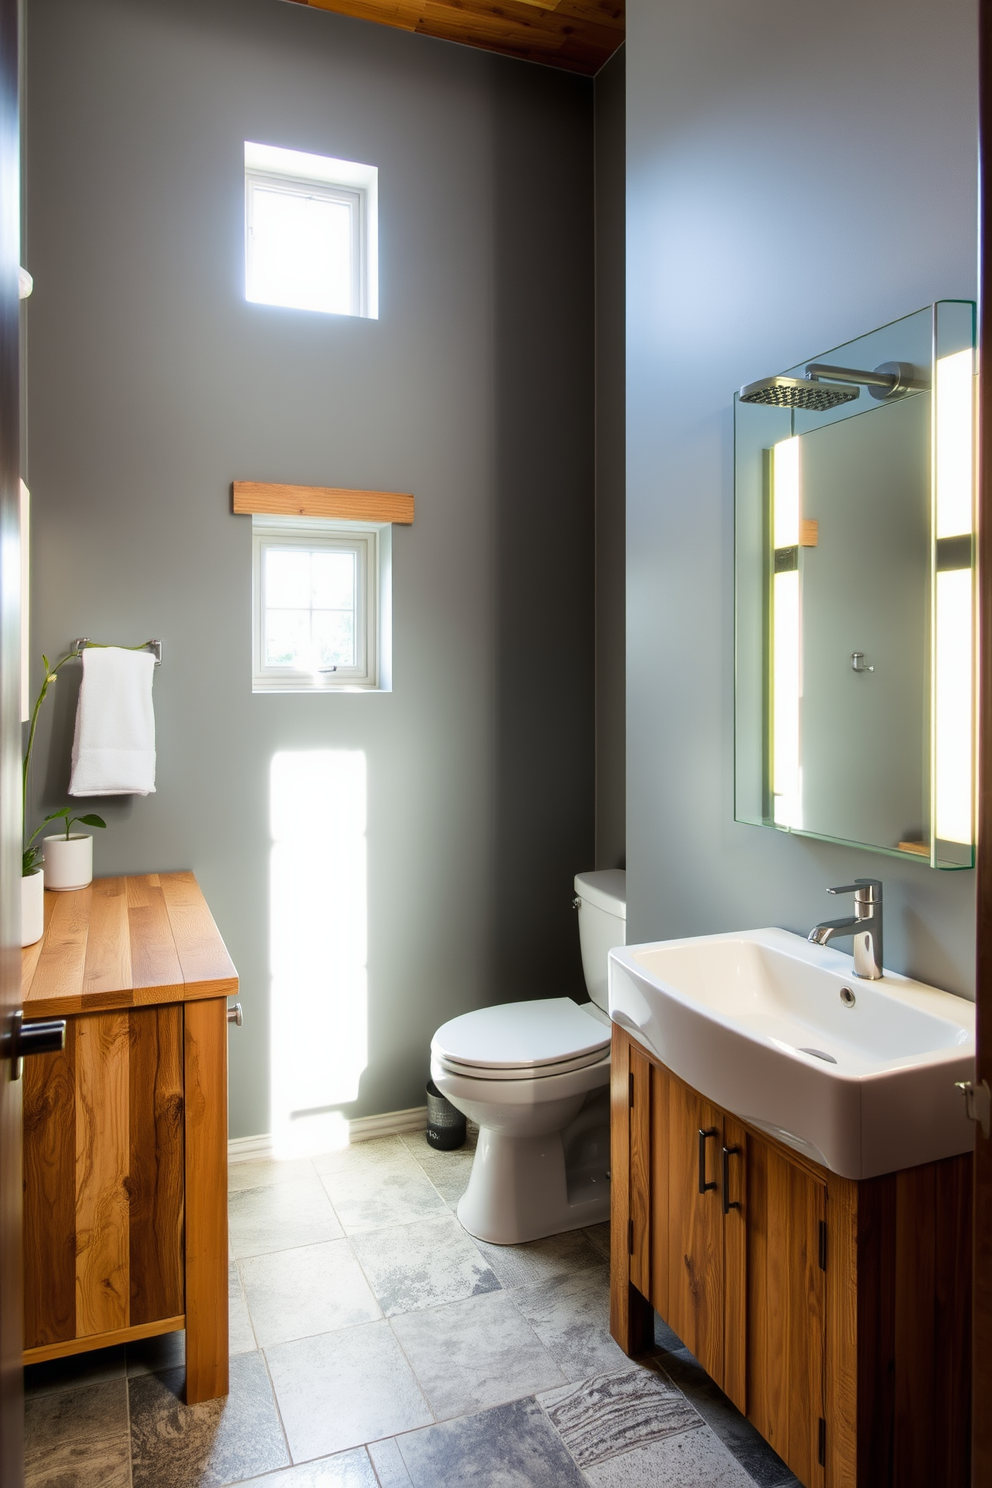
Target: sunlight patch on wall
pixel 319 945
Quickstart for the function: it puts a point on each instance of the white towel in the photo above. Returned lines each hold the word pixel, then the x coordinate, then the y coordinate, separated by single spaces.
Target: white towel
pixel 113 752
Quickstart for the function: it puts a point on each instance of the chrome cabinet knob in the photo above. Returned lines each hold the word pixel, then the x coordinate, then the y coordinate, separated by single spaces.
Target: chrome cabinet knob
pixel 235 1015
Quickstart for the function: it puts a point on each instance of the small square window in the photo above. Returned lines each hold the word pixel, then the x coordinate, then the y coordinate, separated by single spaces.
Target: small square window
pixel 319 592
pixel 310 231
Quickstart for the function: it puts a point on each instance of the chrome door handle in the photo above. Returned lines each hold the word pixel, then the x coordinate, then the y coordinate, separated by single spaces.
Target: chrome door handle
pixel 34 1036
pixel 235 1015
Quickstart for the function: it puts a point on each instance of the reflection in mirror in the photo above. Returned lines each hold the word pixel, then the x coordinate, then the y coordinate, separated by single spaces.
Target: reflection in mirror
pixel 854 493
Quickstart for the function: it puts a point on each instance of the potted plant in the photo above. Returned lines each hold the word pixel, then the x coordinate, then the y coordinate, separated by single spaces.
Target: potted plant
pixel 33 880
pixel 69 855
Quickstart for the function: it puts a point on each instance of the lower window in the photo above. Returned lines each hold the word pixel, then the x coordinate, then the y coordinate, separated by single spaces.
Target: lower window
pixel 318 604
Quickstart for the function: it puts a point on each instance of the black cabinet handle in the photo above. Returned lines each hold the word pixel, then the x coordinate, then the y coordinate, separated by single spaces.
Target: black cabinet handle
pixel 710 1131
pixel 728 1153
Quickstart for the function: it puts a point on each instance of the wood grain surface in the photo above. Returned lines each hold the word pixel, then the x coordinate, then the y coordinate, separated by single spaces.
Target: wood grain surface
pixel 206 1200
pixel 50 1195
pixel 156 1167
pixel 577 35
pixel 104 1340
pixel 785 1309
pixel 275 500
pixel 125 942
pixel 103 1179
pixel 657 1166
pixel 735 1261
pixel 848 1279
pixel 631 1315
pixel 695 1229
pixel 640 1172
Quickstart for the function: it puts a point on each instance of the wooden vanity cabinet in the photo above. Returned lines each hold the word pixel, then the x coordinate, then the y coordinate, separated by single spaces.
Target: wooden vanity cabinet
pixel 834 1314
pixel 125 1129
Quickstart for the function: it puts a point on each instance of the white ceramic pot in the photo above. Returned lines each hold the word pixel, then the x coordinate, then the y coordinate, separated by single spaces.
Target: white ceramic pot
pixel 68 861
pixel 32 907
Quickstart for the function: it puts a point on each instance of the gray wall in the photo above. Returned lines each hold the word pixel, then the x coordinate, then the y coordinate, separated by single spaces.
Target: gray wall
pixel 792 181
pixel 152 384
pixel 610 464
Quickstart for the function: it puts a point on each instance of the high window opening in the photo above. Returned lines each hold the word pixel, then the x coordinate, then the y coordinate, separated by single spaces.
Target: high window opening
pixel 311 232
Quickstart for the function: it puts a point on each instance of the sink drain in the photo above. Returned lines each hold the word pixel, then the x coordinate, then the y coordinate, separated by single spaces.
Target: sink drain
pixel 817 1054
pixel 847 997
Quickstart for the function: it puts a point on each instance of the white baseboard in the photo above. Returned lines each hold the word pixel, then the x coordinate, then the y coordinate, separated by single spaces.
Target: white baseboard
pixel 364 1129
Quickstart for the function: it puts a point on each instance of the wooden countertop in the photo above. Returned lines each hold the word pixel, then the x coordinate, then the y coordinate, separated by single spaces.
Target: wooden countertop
pixel 125 942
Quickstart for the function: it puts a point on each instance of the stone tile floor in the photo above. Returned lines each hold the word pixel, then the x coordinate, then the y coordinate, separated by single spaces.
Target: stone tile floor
pixel 376 1345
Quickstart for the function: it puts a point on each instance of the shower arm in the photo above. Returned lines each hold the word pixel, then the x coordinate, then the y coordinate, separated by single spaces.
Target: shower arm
pixel 891 377
pixel 823 372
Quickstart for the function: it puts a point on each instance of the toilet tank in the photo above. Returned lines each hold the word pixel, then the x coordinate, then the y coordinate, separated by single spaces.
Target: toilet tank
pixel 601 899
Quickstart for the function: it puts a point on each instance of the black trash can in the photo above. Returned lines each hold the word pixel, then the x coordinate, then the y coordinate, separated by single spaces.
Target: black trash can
pixel 446 1127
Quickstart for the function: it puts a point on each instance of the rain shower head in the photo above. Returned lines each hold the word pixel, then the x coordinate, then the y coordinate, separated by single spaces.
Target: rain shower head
pixel 798 392
pixel 825 387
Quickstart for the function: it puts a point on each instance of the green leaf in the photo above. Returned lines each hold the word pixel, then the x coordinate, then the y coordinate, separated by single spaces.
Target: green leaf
pixel 54 815
pixel 92 820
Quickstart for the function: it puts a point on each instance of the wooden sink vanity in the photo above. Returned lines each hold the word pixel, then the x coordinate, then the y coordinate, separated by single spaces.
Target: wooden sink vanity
pixel 834 1313
pixel 125 1130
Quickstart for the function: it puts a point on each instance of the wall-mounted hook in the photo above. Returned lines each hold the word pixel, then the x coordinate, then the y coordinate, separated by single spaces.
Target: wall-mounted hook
pixel 858 662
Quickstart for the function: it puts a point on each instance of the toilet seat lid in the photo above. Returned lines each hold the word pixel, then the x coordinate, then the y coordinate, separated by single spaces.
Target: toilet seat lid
pixel 521 1035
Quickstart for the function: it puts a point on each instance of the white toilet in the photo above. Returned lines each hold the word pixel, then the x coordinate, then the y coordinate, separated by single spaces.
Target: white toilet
pixel 535 1076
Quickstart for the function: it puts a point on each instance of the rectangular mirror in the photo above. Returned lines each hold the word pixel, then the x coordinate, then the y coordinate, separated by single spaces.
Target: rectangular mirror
pixel 855 594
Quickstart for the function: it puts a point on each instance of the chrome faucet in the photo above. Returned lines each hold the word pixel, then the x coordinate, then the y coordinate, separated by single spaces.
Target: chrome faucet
pixel 865 925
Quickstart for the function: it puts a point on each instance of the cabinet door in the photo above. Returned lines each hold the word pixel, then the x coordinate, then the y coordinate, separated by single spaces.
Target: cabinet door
pixel 695 1227
pixel 785 1308
pixel 103 1178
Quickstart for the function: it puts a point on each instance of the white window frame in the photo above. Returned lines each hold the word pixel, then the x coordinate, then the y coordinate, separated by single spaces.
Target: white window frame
pixel 299 173
pixel 371 544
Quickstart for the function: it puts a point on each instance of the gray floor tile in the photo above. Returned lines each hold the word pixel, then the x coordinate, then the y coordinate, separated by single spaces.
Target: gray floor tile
pixel 616 1412
pixel 571 1317
pixel 368 1157
pixel 342 1389
pixel 472 1354
pixel 280 1216
pixel 695 1459
pixel 241 1334
pixel 390 1469
pixel 764 1466
pixel 312 1289
pixel 90 1368
pixel 422 1264
pixel 600 1237
pixel 512 1446
pixel 219 1442
pixel 263 1172
pixel 544 1260
pixel 78 1437
pixel 395 1192
pixel 343 1470
pixel 448 1171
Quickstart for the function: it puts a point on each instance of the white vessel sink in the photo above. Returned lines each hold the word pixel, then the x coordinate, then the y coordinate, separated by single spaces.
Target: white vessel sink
pixel 756 1021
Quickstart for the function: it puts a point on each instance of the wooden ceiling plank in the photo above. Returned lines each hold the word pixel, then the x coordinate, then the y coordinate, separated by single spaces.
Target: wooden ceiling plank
pixel 579 35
